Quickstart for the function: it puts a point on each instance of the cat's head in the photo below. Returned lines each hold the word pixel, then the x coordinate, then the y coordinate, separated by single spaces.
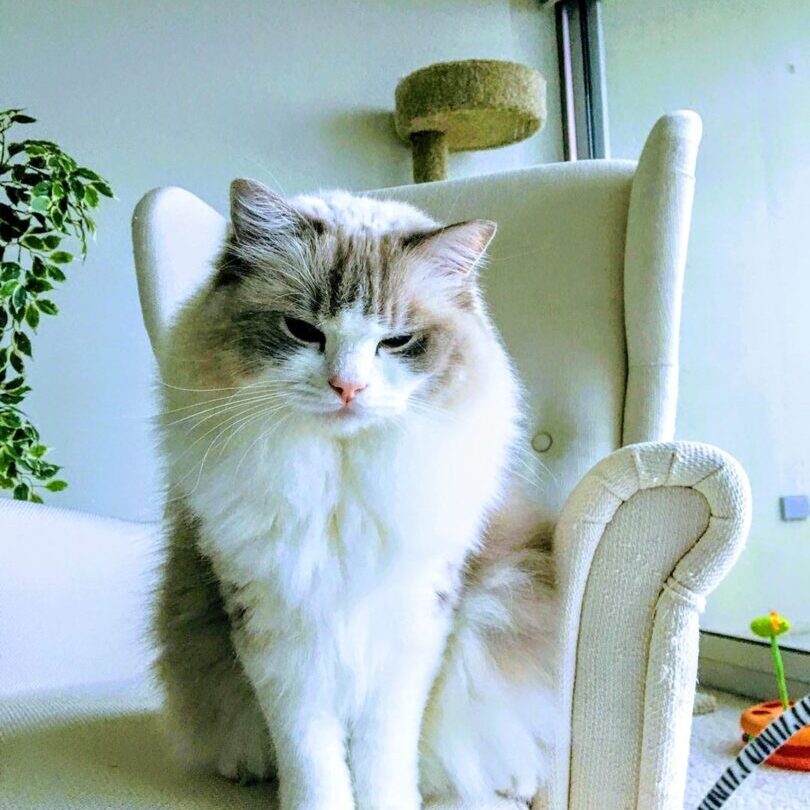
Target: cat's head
pixel 348 309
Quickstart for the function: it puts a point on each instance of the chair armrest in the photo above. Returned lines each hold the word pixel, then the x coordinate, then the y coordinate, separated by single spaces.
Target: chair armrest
pixel 643 538
pixel 74 591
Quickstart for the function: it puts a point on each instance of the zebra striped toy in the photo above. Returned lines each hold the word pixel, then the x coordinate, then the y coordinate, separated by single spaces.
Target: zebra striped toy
pixel 757 751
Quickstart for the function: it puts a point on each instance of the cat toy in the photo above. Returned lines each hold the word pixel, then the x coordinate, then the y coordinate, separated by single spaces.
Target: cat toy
pixel 767 726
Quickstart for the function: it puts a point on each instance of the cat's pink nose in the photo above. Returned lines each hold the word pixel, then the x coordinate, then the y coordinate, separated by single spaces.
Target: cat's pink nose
pixel 346 390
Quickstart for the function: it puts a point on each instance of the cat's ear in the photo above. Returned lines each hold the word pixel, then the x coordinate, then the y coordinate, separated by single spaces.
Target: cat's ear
pixel 262 225
pixel 257 212
pixel 455 248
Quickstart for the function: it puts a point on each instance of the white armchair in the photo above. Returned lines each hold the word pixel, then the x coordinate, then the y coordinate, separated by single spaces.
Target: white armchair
pixel 585 283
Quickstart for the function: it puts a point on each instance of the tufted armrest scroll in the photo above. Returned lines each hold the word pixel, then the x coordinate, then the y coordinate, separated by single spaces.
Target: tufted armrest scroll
pixel 643 538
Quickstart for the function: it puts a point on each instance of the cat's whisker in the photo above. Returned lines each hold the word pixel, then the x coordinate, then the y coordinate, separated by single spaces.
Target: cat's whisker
pixel 529 481
pixel 521 255
pixel 215 410
pixel 227 422
pixel 259 405
pixel 264 386
pixel 528 458
pixel 262 414
pixel 272 429
pixel 243 386
pixel 207 413
pixel 228 426
pixel 211 401
pixel 200 390
pixel 425 408
pixel 266 168
pixel 221 417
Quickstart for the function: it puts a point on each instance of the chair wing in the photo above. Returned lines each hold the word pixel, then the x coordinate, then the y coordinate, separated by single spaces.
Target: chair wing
pixel 176 237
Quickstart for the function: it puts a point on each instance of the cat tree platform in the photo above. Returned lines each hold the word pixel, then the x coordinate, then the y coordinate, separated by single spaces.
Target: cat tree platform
pixel 467 105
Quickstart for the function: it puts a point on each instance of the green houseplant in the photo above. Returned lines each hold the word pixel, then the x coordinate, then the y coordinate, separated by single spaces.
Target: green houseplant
pixel 46 197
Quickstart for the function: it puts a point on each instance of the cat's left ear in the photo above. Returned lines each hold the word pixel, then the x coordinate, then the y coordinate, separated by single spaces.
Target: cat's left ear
pixel 455 248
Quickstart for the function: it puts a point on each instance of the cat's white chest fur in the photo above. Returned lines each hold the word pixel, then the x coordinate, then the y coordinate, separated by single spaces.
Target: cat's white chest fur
pixel 345 545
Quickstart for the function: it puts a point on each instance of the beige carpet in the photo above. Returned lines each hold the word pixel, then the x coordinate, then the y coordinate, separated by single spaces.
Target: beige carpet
pixel 715 743
pixel 102 750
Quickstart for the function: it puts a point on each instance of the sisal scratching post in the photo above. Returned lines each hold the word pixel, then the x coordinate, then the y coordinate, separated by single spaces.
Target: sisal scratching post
pixel 429 156
pixel 461 106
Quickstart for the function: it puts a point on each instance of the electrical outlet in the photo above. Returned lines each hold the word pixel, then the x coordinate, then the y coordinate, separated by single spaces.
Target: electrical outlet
pixel 795 507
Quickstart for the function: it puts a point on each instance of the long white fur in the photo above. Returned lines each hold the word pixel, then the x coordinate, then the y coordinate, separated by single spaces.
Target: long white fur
pixel 336 542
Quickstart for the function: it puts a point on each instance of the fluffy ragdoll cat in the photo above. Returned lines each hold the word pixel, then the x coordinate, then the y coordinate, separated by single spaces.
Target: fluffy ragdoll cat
pixel 353 602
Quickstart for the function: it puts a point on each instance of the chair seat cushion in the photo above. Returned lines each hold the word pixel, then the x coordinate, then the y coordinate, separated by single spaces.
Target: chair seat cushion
pixel 101 748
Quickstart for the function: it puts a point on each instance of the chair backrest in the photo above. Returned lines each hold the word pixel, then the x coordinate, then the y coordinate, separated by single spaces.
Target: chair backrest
pixel 584 283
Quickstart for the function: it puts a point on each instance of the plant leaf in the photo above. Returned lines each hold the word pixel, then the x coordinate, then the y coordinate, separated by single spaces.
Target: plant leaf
pixel 38 285
pixel 86 173
pixel 91 196
pixel 102 188
pixel 32 316
pixel 31 241
pixel 8 288
pixel 22 343
pixel 47 306
pixel 18 298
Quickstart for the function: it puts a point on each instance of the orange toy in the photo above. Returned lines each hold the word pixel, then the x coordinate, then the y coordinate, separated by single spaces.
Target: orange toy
pixel 794 754
pixel 777 725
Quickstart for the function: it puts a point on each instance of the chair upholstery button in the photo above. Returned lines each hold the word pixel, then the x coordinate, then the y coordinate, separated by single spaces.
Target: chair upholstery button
pixel 542 441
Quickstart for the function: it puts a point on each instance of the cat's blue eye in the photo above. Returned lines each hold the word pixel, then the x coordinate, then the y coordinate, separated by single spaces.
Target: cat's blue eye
pixel 396 342
pixel 305 332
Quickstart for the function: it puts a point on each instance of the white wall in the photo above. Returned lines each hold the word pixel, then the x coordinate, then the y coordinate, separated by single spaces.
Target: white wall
pixel 745 377
pixel 195 92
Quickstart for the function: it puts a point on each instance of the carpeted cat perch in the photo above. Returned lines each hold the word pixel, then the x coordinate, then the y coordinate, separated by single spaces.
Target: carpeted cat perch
pixel 461 106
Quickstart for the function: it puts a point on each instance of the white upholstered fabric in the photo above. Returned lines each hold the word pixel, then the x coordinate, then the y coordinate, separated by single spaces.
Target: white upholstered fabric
pixel 175 236
pixel 74 590
pixel 655 256
pixel 645 535
pixel 585 284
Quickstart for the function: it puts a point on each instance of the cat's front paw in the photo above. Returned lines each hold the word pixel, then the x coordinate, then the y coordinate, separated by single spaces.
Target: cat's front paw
pixel 316 804
pixel 495 803
pixel 245 753
pixel 337 799
pixel 399 799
